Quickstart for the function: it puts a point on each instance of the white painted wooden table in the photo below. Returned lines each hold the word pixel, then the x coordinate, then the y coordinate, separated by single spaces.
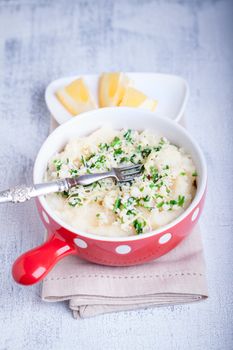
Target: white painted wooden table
pixel 42 40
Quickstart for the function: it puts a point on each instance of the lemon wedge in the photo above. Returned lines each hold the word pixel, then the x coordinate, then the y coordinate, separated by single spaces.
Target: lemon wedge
pixel 112 88
pixel 75 97
pixel 135 98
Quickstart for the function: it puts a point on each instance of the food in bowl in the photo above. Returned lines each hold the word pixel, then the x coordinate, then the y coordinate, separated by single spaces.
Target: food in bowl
pixel 164 190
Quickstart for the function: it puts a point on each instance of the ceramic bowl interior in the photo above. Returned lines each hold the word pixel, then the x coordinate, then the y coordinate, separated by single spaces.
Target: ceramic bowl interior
pixel 119 118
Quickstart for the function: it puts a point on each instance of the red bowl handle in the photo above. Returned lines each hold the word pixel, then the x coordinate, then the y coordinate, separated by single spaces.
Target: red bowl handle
pixel 33 266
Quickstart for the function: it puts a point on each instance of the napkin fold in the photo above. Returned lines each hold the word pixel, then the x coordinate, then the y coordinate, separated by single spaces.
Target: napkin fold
pixel 175 278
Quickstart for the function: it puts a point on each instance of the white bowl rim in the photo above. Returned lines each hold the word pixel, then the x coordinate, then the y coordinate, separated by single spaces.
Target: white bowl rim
pixel 168 227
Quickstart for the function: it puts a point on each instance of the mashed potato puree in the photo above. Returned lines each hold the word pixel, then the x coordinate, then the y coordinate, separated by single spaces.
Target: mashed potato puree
pixel 164 190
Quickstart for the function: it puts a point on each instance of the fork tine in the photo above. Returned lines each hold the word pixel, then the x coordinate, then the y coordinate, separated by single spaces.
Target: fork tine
pixel 128 173
pixel 129 167
pixel 131 171
pixel 130 177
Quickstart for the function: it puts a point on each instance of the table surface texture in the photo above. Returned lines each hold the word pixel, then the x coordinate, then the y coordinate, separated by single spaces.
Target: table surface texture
pixel 43 40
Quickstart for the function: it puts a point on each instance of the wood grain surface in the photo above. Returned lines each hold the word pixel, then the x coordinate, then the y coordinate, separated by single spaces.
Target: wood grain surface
pixel 43 40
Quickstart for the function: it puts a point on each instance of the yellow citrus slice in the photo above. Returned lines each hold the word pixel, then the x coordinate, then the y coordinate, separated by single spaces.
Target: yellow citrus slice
pixel 135 98
pixel 112 88
pixel 75 97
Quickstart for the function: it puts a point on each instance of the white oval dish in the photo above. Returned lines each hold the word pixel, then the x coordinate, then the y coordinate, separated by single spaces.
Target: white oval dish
pixel 170 91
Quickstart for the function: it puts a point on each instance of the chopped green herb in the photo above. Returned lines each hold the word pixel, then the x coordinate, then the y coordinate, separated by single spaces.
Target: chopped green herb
pixel 153 170
pixel 146 152
pixel 139 149
pixel 95 184
pixel 65 194
pixel 118 151
pixel 103 146
pixel 159 205
pixel 132 158
pixel 101 159
pixel 146 199
pixel 158 196
pixel 160 184
pixel 116 141
pixel 194 174
pixel 75 201
pixel 124 205
pixel 182 173
pixel 161 142
pixel 157 149
pixel 154 174
pixel 124 160
pixel 73 172
pixel 83 161
pixel 90 157
pixel 58 164
pixel 128 135
pixel 139 225
pixel 180 201
pixel 117 204
pixel 173 202
pixel 152 185
pixel 166 167
pixel 99 162
pixel 98 215
pixel 131 212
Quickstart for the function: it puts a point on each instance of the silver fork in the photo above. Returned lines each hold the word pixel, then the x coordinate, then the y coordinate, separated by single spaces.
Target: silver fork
pixel 22 193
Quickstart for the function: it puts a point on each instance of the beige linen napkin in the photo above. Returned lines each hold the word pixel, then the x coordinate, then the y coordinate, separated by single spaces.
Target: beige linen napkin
pixel 177 277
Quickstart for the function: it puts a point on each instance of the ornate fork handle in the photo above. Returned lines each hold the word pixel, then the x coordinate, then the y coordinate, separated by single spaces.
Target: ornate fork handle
pixel 16 194
pixel 19 194
pixel 23 193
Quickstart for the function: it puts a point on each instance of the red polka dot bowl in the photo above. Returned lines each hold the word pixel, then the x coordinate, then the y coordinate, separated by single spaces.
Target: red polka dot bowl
pixel 64 240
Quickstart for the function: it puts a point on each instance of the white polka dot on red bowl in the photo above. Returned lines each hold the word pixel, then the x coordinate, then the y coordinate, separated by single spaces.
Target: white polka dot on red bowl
pixel 195 214
pixel 165 238
pixel 123 249
pixel 80 243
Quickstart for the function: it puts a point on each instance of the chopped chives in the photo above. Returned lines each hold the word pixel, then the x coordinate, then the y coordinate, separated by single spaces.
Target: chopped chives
pixel 180 201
